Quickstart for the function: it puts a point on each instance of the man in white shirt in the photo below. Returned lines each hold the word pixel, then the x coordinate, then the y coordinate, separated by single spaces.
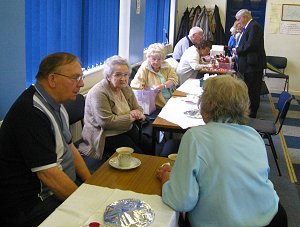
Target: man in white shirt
pixel 194 38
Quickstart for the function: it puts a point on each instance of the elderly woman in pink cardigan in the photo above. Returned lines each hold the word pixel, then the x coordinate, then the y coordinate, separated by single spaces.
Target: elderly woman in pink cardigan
pixel 110 111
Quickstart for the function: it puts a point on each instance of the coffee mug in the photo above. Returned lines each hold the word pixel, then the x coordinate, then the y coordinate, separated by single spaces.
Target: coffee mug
pixel 172 158
pixel 124 156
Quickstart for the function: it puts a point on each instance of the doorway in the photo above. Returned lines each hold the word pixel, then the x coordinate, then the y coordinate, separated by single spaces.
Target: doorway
pixel 257 8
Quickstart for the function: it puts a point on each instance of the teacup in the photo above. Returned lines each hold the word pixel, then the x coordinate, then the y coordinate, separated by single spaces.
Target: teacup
pixel 124 156
pixel 172 158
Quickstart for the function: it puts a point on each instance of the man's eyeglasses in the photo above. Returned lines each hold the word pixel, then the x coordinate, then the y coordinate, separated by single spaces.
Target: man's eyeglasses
pixel 79 78
pixel 119 75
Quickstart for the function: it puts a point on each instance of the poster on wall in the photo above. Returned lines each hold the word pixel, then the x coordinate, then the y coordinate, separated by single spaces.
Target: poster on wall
pixel 274 18
pixel 290 12
pixel 290 28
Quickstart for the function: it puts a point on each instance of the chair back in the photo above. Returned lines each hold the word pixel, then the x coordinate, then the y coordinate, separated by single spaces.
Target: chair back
pixel 283 106
pixel 278 62
pixel 75 109
pixel 133 72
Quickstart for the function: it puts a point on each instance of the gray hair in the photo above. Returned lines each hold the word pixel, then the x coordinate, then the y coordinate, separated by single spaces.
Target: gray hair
pixel 156 49
pixel 243 13
pixel 195 30
pixel 110 62
pixel 225 99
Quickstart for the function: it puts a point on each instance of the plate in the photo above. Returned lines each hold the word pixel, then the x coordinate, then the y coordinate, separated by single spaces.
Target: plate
pixel 135 162
pixel 193 114
pixel 129 212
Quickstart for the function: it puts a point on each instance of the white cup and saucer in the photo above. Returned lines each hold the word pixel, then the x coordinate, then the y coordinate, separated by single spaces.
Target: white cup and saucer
pixel 124 159
pixel 124 156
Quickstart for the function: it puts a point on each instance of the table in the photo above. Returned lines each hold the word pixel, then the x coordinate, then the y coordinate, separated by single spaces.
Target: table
pixel 179 93
pixel 190 86
pixel 160 124
pixel 142 179
pixel 107 185
pixel 218 71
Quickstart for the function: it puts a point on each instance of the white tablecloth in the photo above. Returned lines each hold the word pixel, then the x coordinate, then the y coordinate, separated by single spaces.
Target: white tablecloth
pixel 191 86
pixel 174 110
pixel 88 203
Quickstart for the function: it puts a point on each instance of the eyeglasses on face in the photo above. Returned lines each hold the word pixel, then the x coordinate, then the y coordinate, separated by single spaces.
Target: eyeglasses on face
pixel 78 78
pixel 119 74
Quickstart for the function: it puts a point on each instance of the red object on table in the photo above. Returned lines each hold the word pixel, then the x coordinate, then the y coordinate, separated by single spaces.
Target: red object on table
pixel 94 224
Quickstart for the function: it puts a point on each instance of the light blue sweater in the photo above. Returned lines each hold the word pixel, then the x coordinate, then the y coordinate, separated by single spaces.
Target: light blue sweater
pixel 221 177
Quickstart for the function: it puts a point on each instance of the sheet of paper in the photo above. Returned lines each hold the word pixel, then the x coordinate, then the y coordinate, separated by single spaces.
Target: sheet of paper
pixel 290 28
pixel 274 18
pixel 174 110
pixel 191 86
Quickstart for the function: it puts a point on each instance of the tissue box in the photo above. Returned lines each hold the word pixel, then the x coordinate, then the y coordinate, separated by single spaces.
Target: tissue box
pixel 217 50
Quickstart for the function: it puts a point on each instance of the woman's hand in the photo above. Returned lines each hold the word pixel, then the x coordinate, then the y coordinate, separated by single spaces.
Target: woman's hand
pixel 163 172
pixel 137 115
pixel 158 87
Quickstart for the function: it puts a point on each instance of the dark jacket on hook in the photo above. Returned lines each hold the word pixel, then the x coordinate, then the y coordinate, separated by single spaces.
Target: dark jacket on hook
pixel 184 26
pixel 219 35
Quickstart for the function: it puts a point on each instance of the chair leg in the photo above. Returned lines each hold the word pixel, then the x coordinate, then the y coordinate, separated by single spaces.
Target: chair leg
pixel 274 152
pixel 286 85
pixel 140 129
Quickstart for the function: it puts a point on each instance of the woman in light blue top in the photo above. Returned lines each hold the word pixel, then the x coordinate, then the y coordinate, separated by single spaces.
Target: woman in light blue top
pixel 220 176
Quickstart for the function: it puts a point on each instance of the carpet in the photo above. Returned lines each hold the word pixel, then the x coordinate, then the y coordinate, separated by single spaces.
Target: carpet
pixel 284 185
pixel 291 136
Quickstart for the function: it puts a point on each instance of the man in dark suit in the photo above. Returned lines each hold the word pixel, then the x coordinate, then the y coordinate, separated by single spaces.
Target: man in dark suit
pixel 251 57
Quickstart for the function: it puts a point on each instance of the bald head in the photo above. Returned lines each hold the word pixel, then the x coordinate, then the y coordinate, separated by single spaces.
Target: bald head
pixel 196 35
pixel 195 30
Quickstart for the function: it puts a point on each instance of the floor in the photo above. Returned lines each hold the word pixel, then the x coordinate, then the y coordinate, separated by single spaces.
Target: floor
pixel 291 130
pixel 287 188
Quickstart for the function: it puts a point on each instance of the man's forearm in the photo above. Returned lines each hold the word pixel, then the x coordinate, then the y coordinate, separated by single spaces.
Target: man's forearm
pixel 80 166
pixel 57 181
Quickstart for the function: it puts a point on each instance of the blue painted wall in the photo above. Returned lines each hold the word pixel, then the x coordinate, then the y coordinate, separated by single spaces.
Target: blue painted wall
pixel 12 54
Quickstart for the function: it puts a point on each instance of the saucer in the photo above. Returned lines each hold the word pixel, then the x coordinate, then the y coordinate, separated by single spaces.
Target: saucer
pixel 135 162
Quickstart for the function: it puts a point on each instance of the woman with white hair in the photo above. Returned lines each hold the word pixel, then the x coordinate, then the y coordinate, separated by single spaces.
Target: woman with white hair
pixel 110 110
pixel 157 74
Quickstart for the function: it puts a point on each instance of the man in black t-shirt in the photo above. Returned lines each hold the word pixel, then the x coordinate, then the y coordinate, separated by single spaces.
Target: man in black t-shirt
pixel 38 161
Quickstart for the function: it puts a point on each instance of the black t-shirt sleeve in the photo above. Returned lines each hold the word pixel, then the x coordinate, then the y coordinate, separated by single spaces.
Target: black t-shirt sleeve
pixel 36 139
